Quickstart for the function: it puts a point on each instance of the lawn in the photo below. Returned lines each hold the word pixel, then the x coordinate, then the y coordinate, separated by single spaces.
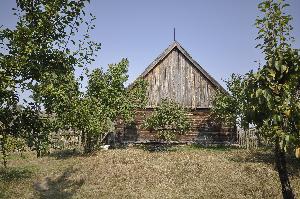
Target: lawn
pixel 183 172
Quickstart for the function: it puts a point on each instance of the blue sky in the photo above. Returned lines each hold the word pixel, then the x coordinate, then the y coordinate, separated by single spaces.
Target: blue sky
pixel 218 34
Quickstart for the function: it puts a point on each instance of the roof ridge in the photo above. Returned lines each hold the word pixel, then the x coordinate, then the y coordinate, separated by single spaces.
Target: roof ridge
pixel 176 44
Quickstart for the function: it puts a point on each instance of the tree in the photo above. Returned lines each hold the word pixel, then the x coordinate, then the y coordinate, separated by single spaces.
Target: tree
pixel 9 98
pixel 41 55
pixel 273 91
pixel 9 125
pixel 168 120
pixel 271 95
pixel 36 129
pixel 230 108
pixel 105 100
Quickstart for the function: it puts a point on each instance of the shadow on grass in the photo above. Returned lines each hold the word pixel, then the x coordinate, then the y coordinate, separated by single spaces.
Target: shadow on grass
pixel 66 154
pixel 216 147
pixel 9 176
pixel 293 166
pixel 165 147
pixel 267 156
pixel 14 174
pixel 158 147
pixel 60 187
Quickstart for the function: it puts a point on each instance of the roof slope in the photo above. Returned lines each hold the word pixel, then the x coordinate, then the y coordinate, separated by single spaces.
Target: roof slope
pixel 174 45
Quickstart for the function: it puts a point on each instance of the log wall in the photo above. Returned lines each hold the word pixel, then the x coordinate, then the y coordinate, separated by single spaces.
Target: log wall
pixel 201 124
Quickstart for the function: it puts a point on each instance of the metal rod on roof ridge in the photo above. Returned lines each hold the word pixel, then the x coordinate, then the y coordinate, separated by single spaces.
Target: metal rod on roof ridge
pixel 174 34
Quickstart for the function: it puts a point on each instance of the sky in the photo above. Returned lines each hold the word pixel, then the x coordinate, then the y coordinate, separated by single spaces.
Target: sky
pixel 218 34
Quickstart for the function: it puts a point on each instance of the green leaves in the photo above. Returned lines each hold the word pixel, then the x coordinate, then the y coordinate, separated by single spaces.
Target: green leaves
pixel 273 25
pixel 106 100
pixel 228 108
pixel 269 97
pixel 41 54
pixel 258 92
pixel 168 120
pixel 276 84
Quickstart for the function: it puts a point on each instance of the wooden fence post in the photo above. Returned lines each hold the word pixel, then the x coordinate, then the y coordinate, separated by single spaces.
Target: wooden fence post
pixel 297 153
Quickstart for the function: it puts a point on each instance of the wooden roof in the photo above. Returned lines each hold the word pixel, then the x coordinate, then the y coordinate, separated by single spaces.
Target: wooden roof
pixel 174 45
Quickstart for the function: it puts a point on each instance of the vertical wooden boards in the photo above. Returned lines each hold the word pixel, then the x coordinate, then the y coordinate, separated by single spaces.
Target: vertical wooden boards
pixel 176 78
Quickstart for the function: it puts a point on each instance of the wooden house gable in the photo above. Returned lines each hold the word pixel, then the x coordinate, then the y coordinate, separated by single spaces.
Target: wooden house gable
pixel 175 75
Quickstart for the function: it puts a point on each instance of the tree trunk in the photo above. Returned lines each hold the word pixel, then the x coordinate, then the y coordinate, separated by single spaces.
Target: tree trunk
pixel 88 144
pixel 37 145
pixel 287 191
pixel 83 138
pixel 4 150
pixel 38 152
pixel 4 159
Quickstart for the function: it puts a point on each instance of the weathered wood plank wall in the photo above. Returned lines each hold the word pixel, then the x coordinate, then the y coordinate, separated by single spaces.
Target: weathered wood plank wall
pixel 200 120
pixel 176 78
pixel 175 75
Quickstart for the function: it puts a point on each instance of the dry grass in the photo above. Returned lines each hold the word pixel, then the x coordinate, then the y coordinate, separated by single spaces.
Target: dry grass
pixel 135 173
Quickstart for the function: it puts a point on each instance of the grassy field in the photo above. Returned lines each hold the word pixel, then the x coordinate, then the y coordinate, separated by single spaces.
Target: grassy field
pixel 184 172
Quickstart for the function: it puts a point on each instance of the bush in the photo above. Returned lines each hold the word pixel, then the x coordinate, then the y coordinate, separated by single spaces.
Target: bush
pixel 168 120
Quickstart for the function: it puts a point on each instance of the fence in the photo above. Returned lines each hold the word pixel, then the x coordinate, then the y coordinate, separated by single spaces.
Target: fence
pixel 70 139
pixel 65 139
pixel 247 138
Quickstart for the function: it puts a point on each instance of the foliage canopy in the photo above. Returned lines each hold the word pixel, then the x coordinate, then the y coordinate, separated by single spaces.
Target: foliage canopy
pixel 168 120
pixel 270 97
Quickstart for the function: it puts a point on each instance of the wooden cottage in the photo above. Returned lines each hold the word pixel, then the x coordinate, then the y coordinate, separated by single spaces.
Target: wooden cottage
pixel 176 75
